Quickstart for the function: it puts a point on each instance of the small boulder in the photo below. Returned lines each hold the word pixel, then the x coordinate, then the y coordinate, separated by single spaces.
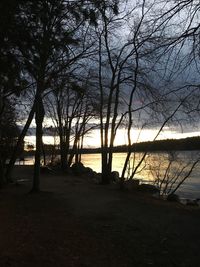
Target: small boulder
pixel 173 198
pixel 114 176
pixel 192 202
pixel 89 170
pixel 78 168
pixel 148 188
pixel 96 178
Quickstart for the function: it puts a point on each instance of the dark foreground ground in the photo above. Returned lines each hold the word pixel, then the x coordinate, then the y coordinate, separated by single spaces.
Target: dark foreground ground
pixel 75 222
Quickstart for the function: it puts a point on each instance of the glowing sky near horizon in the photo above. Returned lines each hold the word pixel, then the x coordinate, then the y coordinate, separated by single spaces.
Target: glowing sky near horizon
pixel 92 140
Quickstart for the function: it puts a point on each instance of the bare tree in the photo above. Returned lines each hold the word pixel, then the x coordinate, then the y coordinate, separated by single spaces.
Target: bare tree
pixel 45 40
pixel 171 170
pixel 167 102
pixel 70 109
pixel 8 136
pixel 11 80
pixel 123 78
pixel 114 72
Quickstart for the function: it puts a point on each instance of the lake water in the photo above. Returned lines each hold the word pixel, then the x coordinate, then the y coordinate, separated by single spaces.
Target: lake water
pixel 154 168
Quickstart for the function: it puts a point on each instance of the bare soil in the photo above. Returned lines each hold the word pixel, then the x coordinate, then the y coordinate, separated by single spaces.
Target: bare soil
pixel 74 222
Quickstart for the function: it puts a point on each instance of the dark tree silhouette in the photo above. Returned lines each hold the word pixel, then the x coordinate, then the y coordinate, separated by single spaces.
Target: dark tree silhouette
pixel 11 81
pixel 46 33
pixel 8 136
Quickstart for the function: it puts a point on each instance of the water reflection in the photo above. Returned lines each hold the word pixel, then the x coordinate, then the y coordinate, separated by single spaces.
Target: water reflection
pixel 153 169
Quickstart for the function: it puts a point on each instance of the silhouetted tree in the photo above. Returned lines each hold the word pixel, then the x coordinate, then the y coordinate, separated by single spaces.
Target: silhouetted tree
pixel 46 33
pixel 123 82
pixel 12 81
pixel 70 108
pixel 173 48
pixel 8 136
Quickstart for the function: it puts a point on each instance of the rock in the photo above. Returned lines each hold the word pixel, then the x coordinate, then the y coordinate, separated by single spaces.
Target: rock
pixel 148 188
pixel 78 165
pixel 192 202
pixel 97 178
pixel 114 176
pixel 89 170
pixel 173 198
pixel 78 168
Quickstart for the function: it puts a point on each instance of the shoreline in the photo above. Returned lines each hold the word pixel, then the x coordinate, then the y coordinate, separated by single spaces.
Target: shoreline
pixel 185 192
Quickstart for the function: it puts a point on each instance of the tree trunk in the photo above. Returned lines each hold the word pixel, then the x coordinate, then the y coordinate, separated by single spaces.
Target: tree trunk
pixel 67 146
pixel 44 154
pixel 19 144
pixel 53 151
pixel 2 177
pixel 39 116
pixel 105 174
pixel 63 153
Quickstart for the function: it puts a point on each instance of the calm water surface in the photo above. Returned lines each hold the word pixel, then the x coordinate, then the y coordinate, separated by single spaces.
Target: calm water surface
pixel 154 168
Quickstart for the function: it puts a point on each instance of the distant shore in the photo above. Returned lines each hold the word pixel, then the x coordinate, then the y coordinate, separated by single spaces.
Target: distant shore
pixel 184 144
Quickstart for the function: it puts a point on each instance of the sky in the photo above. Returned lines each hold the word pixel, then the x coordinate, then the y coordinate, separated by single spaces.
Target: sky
pixel 93 139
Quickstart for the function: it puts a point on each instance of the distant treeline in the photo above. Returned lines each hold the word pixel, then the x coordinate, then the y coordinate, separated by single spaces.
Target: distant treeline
pixel 190 143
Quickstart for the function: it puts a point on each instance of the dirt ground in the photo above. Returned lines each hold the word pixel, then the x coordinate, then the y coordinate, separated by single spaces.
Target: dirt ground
pixel 74 222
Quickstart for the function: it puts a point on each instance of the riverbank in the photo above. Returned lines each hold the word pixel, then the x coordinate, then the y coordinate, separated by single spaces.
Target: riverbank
pixel 74 222
pixel 189 190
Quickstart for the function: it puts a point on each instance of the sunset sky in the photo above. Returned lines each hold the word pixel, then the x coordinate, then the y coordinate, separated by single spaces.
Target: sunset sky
pixel 93 139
